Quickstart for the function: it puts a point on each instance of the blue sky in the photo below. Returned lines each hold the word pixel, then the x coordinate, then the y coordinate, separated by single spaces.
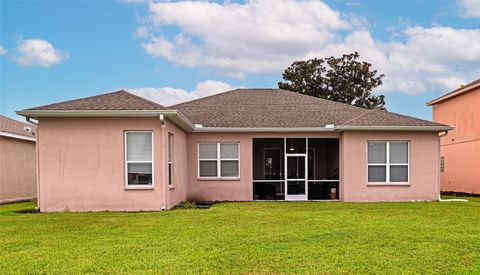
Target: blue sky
pixel 171 52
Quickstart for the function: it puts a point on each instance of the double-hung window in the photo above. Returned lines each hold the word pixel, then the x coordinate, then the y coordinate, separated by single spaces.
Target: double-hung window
pixel 388 161
pixel 139 158
pixel 218 160
pixel 170 159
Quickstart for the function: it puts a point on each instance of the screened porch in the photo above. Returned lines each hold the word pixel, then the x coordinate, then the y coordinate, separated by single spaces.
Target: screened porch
pixel 295 169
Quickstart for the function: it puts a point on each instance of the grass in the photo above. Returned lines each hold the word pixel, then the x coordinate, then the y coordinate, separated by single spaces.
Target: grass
pixel 259 237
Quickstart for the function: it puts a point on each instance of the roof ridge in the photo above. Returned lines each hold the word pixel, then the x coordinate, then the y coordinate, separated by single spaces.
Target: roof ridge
pixel 142 98
pixel 368 111
pixel 71 100
pixel 98 96
pixel 201 98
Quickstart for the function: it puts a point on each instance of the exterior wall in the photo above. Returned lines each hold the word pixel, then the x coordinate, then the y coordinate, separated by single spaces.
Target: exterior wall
pixel 424 167
pixel 461 147
pixel 82 165
pixel 17 169
pixel 177 192
pixel 230 190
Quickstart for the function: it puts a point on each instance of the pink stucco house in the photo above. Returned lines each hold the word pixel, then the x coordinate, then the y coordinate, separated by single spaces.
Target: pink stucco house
pixel 118 151
pixel 460 149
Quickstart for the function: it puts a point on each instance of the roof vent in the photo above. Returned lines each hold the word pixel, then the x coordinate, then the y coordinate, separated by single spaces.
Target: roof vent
pixel 330 126
pixel 198 125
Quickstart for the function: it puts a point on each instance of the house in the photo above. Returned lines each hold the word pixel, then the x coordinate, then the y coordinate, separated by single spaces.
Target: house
pixel 17 161
pixel 460 149
pixel 118 151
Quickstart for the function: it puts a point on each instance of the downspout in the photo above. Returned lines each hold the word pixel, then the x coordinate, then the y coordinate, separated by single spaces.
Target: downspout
pixel 444 134
pixel 37 158
pixel 162 133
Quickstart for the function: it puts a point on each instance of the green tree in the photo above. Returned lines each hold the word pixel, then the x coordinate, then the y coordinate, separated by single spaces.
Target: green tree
pixel 344 79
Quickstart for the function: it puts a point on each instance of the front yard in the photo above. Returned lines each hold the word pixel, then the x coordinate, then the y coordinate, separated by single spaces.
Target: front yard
pixel 260 237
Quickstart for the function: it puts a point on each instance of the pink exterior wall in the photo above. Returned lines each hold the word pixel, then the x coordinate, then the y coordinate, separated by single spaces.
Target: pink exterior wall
pixel 17 169
pixel 177 192
pixel 230 190
pixel 461 147
pixel 81 165
pixel 424 167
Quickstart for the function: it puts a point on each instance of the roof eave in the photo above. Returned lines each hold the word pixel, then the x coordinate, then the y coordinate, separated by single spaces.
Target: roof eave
pixel 439 128
pixel 173 115
pixel 17 136
pixel 261 129
pixel 453 94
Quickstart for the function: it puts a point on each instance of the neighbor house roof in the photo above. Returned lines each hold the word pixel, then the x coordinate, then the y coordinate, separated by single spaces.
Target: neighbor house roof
pixel 463 89
pixel 16 129
pixel 242 110
pixel 120 100
pixel 264 108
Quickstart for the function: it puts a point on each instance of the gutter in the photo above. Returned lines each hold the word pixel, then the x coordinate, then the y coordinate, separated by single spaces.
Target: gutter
pixel 5 134
pixel 339 128
pixel 179 119
pixel 174 115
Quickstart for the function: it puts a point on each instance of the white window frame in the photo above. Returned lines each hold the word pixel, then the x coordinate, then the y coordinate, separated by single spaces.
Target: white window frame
pixel 218 159
pixel 139 186
pixel 170 157
pixel 388 164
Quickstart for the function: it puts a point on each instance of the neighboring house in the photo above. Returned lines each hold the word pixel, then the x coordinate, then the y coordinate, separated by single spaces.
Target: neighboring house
pixel 118 151
pixel 17 161
pixel 460 149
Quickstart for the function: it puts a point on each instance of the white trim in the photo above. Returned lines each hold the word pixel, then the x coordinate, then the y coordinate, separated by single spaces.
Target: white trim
pixel 218 160
pixel 387 164
pixel 320 129
pixel 188 126
pixel 126 162
pixel 10 135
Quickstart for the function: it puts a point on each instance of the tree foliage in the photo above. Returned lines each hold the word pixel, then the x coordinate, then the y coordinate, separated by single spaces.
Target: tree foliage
pixel 344 79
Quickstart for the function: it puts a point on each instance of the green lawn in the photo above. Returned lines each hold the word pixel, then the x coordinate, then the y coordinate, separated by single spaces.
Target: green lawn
pixel 260 237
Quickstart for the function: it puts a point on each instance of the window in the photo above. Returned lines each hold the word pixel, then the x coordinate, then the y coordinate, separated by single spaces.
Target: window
pixel 388 161
pixel 218 160
pixel 139 158
pixel 442 164
pixel 170 159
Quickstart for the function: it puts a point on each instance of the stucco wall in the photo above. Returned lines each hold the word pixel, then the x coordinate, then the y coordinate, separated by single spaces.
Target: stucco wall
pixel 178 191
pixel 461 147
pixel 230 190
pixel 17 169
pixel 81 164
pixel 424 167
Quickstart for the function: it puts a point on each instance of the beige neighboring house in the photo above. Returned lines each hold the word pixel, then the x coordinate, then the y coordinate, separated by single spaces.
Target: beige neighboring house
pixel 17 161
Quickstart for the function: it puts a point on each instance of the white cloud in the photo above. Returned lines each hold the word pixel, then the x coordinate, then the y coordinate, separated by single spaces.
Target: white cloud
pixel 256 37
pixel 38 52
pixel 142 32
pixel 469 8
pixel 259 37
pixel 168 96
pixel 3 51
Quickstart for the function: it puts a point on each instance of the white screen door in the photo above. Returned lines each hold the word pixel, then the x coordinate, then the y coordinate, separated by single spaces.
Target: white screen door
pixel 295 177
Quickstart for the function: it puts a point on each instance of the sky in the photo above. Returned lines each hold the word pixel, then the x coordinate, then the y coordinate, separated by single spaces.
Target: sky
pixel 175 51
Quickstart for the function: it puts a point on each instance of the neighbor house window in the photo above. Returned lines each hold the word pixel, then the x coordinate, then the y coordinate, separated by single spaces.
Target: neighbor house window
pixel 218 160
pixel 388 161
pixel 139 158
pixel 442 164
pixel 170 159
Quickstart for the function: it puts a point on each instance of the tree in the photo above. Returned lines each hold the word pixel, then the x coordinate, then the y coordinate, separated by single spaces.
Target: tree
pixel 343 79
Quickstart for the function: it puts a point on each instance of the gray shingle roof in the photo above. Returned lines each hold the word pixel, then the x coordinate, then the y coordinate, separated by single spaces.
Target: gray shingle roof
pixel 120 100
pixel 12 126
pixel 258 108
